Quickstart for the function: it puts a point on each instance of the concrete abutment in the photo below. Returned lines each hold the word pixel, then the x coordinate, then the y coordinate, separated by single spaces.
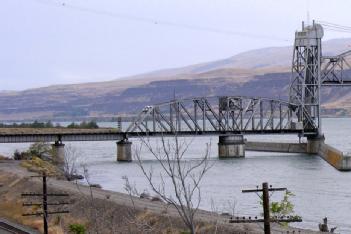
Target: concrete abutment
pixel 231 146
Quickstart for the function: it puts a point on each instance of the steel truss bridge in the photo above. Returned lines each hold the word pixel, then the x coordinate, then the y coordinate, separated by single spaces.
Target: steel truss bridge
pixel 217 115
pixel 301 114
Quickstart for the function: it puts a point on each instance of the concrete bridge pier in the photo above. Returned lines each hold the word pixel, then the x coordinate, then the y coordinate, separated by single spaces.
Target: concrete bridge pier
pixel 314 144
pixel 124 150
pixel 231 146
pixel 58 153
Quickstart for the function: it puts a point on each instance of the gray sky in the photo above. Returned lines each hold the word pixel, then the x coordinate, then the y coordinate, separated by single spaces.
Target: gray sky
pixel 46 42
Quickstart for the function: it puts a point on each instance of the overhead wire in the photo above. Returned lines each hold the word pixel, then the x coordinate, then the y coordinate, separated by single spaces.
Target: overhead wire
pixel 335 27
pixel 155 21
pixel 328 28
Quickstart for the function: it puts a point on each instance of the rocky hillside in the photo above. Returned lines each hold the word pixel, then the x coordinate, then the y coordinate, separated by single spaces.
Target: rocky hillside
pixel 264 72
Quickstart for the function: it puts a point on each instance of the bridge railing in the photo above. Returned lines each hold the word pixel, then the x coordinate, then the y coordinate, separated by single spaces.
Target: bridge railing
pixel 217 114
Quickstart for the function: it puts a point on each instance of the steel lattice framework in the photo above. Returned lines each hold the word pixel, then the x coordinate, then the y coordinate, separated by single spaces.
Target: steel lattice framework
pixel 336 70
pixel 217 115
pixel 238 115
pixel 306 72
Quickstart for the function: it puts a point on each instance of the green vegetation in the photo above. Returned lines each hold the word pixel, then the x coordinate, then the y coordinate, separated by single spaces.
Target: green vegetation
pixel 282 208
pixel 90 125
pixel 77 228
pixel 38 149
pixel 36 124
pixel 37 158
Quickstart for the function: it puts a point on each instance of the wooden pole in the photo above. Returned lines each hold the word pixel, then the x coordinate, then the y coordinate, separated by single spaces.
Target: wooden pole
pixel 265 198
pixel 45 205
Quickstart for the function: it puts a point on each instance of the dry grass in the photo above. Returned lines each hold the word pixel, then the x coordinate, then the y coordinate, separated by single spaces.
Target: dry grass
pixel 12 209
pixel 101 213
pixel 4 158
pixel 39 166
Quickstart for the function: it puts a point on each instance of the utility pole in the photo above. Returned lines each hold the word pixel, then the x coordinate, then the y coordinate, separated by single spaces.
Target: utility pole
pixel 265 197
pixel 44 204
pixel 267 220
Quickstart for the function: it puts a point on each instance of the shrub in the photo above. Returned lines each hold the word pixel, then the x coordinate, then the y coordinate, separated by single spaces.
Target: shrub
pixel 40 149
pixel 17 155
pixel 90 125
pixel 77 228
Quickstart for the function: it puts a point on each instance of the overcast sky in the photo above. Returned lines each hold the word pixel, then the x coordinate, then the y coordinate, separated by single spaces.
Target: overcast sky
pixel 46 42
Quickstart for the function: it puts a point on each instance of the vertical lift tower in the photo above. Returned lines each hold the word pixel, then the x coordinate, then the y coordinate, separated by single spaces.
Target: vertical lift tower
pixel 305 82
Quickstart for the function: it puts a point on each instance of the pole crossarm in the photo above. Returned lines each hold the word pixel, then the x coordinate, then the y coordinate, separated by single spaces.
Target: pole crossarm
pixel 287 219
pixel 267 218
pixel 221 114
pixel 49 212
pixel 48 194
pixel 49 204
pixel 261 190
pixel 44 204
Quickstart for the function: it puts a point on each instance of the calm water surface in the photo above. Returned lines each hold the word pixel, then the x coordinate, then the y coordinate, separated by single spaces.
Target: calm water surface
pixel 319 189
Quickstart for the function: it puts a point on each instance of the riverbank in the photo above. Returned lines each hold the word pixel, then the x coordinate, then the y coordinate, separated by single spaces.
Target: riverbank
pixel 105 211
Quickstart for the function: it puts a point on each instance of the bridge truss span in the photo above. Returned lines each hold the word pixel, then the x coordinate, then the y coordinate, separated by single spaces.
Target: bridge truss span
pixel 216 115
pixel 336 70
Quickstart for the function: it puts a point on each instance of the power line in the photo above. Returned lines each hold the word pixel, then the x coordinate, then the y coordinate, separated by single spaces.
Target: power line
pixel 328 28
pixel 155 21
pixel 335 27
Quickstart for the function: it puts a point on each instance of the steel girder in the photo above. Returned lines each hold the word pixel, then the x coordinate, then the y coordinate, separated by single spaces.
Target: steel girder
pixel 216 114
pixel 334 70
pixel 257 115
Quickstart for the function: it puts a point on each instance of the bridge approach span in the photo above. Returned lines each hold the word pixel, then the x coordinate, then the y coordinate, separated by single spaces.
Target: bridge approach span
pixel 24 135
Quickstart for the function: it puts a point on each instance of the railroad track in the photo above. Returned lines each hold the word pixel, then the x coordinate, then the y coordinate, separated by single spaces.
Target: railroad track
pixel 9 228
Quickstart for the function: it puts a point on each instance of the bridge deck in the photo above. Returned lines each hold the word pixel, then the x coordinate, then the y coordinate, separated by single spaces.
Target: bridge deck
pixel 24 131
pixel 22 135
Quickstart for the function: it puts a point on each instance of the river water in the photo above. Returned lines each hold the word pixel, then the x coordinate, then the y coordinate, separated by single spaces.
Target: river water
pixel 320 190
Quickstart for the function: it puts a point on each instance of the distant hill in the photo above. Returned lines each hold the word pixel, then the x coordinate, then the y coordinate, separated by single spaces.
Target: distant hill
pixel 261 60
pixel 262 72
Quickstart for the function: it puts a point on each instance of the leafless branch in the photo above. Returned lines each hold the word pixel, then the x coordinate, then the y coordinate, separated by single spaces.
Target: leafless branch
pixel 185 175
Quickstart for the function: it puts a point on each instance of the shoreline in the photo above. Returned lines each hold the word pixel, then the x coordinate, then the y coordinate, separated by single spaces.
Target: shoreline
pixel 15 178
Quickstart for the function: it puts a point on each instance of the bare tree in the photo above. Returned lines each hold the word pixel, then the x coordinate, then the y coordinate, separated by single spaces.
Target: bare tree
pixel 231 207
pixel 70 165
pixel 141 225
pixel 184 175
pixel 93 208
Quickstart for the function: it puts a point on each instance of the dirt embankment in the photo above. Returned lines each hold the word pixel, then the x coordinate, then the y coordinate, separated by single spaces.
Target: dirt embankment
pixel 102 211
